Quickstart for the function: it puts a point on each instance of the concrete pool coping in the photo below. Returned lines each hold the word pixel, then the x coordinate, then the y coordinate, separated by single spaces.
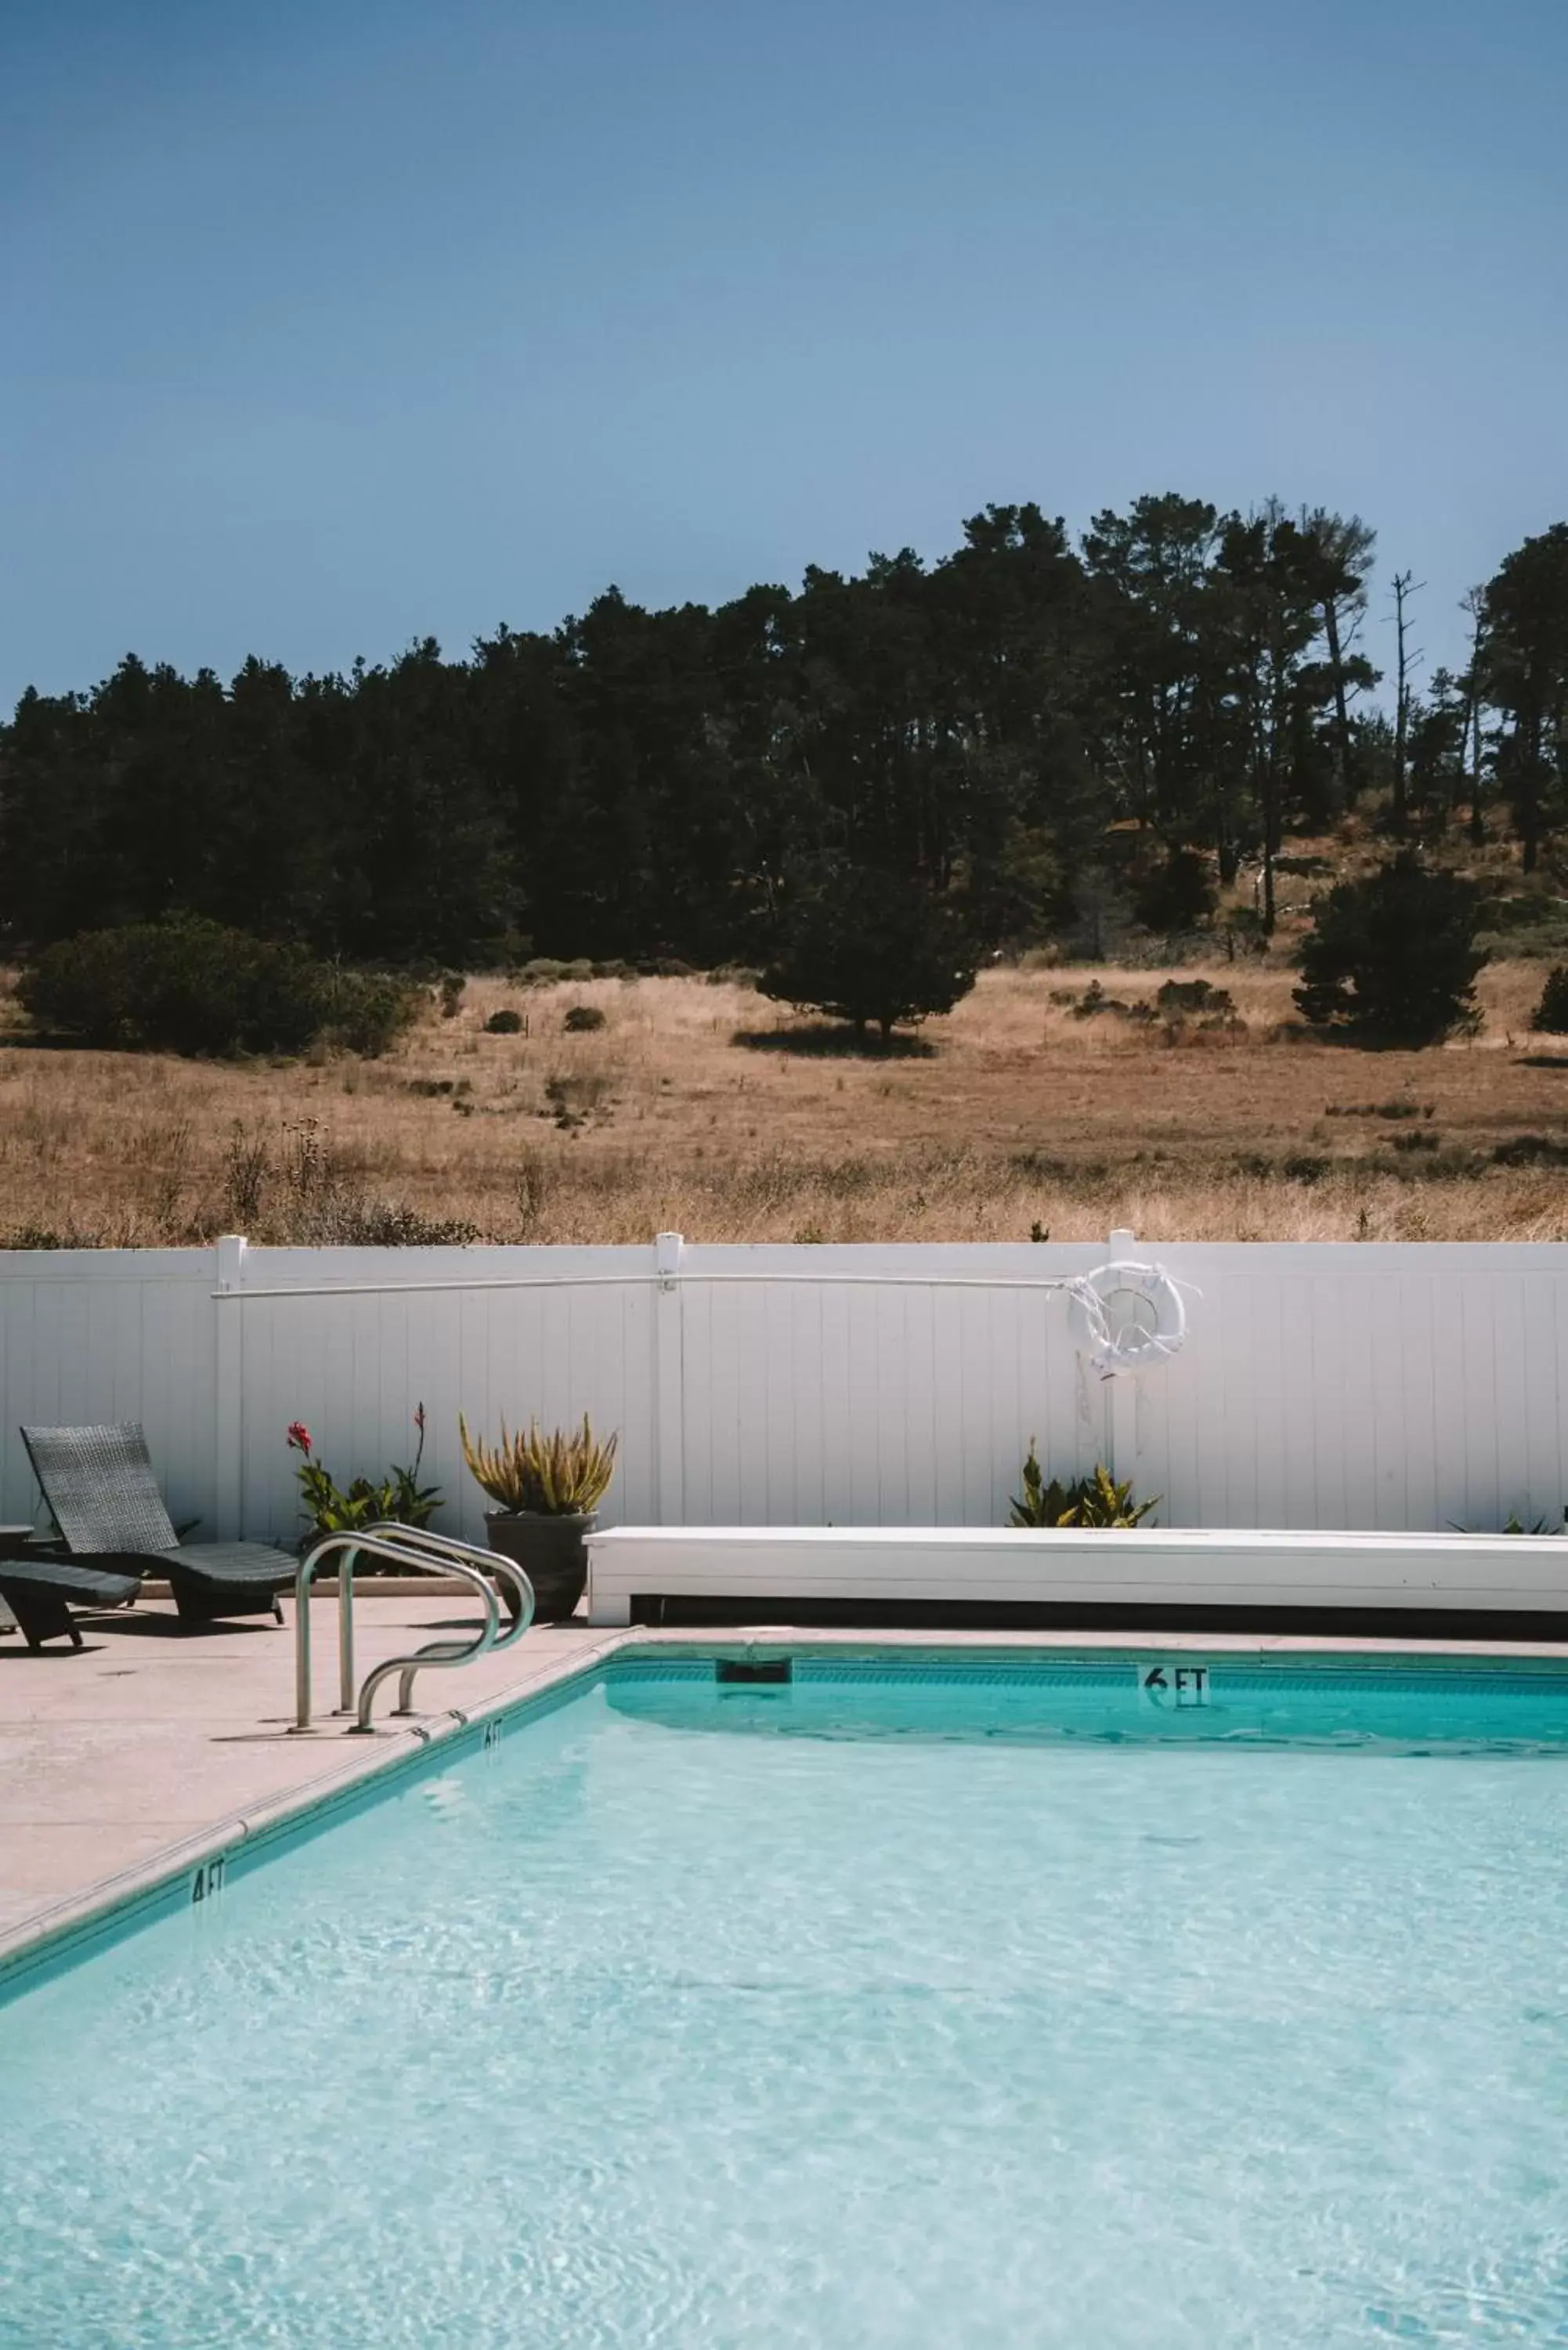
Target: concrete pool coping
pixel 126 1769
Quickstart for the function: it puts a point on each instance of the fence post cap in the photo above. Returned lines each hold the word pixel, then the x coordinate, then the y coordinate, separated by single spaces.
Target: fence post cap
pixel 666 1248
pixel 232 1247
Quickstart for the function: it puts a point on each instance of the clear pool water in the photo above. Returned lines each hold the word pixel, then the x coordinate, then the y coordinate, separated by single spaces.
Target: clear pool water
pixel 873 2012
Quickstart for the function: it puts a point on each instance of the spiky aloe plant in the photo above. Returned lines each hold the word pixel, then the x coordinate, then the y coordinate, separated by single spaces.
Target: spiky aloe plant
pixel 560 1473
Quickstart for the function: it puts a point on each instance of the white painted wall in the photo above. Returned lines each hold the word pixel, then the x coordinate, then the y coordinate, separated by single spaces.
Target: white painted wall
pixel 1354 1386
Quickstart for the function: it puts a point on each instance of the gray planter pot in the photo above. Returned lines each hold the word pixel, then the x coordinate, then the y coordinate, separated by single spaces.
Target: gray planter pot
pixel 551 1552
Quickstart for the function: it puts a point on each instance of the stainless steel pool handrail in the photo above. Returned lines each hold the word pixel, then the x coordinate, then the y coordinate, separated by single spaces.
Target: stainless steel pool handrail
pixel 471 1566
pixel 350 1546
pixel 444 1551
pixel 427 1554
pixel 462 1558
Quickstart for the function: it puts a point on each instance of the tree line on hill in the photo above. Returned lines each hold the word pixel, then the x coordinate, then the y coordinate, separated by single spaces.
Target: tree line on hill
pixel 967 753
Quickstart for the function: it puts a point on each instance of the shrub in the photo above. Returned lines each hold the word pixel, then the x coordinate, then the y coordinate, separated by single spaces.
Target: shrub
pixel 573 1097
pixel 392 1223
pixel 504 1023
pixel 862 945
pixel 1552 1013
pixel 1093 1000
pixel 193 986
pixel 1181 999
pixel 1392 959
pixel 582 1019
pixel 1097 1500
pixel 1531 1150
pixel 362 1011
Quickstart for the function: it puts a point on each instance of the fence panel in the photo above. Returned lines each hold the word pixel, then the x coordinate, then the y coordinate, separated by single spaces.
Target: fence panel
pixel 352 1341
pixel 98 1334
pixel 897 1385
pixel 1340 1387
pixel 1361 1386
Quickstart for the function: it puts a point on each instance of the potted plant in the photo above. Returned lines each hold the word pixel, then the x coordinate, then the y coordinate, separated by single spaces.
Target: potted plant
pixel 547 1488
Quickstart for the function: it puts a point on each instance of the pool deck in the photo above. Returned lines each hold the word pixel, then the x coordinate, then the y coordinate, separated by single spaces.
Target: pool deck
pixel 150 1738
pixel 151 1743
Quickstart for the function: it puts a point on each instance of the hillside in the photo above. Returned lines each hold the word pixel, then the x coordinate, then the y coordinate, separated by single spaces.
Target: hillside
pixel 1017 1111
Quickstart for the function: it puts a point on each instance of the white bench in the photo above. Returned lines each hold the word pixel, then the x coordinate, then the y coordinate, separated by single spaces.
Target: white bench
pixel 1148 1567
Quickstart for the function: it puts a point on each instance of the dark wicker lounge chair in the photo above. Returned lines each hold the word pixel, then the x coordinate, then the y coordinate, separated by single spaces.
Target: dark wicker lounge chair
pixel 104 1498
pixel 40 1592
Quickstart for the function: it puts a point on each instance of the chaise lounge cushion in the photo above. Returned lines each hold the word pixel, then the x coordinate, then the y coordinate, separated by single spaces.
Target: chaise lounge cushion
pixel 236 1561
pixel 84 1587
pixel 41 1592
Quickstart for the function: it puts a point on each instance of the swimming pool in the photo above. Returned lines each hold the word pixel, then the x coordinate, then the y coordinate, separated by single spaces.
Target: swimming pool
pixel 903 2002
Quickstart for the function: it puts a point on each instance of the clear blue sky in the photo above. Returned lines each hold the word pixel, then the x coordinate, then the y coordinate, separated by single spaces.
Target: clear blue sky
pixel 333 323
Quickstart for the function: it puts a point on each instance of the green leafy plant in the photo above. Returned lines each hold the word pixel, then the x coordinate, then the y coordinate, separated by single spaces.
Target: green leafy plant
pixel 559 1473
pixel 1097 1500
pixel 331 1509
pixel 504 1023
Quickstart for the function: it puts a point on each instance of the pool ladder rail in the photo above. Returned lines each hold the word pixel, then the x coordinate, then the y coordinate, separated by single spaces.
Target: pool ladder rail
pixel 424 1553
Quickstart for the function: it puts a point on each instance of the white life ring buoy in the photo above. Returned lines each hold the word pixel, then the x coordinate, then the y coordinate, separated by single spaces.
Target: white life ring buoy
pixel 1148 1334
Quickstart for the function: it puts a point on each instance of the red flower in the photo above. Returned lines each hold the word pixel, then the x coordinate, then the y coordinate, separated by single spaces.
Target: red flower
pixel 299 1437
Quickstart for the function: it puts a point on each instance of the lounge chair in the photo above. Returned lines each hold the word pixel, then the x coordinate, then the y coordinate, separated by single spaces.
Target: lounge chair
pixel 104 1498
pixel 40 1592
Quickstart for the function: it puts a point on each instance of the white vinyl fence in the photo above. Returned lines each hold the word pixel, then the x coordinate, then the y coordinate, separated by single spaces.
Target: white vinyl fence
pixel 1355 1386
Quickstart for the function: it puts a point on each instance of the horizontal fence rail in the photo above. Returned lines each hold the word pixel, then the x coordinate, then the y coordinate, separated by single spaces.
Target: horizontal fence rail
pixel 1354 1386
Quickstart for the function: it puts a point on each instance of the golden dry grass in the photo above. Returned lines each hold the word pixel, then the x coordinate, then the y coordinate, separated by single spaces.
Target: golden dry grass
pixel 1011 1116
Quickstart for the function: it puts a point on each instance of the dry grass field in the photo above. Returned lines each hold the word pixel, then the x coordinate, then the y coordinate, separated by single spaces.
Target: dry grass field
pixel 1014 1116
